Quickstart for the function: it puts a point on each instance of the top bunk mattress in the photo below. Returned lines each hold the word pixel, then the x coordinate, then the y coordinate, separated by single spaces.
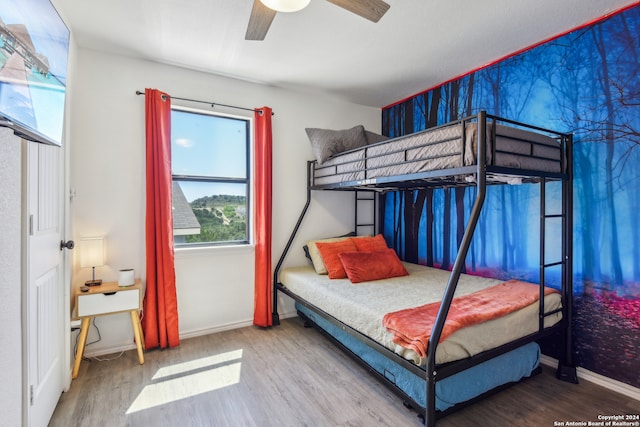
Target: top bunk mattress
pixel 362 306
pixel 446 147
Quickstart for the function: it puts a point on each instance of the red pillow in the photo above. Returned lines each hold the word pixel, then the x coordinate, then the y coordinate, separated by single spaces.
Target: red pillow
pixel 329 253
pixel 366 266
pixel 370 244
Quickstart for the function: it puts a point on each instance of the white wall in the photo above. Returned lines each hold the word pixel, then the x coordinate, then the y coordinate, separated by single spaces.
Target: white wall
pixel 10 279
pixel 214 286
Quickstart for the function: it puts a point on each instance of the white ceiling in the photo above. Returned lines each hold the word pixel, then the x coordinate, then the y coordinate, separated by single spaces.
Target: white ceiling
pixel 418 44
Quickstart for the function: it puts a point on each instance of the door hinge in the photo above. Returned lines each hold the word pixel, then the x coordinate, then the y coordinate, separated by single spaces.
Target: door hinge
pixel 31 395
pixel 31 225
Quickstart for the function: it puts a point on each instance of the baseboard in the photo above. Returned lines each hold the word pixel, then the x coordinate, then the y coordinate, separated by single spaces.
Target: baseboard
pixel 601 380
pixel 212 330
pixel 289 314
pixel 227 327
pixel 95 352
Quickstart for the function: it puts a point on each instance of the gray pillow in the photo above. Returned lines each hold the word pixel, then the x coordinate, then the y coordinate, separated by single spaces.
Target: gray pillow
pixel 326 142
pixel 373 137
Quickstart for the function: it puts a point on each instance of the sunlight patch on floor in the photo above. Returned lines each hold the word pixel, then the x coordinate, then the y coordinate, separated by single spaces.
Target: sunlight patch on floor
pixel 198 364
pixel 184 380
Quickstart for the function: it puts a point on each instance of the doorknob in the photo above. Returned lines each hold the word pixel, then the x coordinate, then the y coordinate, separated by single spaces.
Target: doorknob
pixel 68 244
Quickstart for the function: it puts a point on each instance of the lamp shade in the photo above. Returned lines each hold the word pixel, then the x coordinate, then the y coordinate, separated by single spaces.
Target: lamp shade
pixel 286 5
pixel 91 252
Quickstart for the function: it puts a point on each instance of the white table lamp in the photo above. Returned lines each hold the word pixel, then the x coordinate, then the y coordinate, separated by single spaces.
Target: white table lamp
pixel 92 255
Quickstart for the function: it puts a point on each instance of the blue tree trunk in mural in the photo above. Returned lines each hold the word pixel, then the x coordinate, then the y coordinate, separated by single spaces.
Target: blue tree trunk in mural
pixel 382 213
pixel 429 226
pixel 446 230
pixel 432 118
pixel 414 206
pixel 398 229
pixel 586 195
pixel 505 229
pixel 520 204
pixel 609 141
pixel 407 125
pixel 460 223
pixel 462 191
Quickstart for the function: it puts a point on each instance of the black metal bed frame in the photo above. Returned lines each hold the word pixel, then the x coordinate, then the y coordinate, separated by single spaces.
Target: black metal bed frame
pixel 483 173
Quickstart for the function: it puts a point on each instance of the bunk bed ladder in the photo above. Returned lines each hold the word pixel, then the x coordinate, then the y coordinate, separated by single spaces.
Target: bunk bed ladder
pixel 566 369
pixel 544 265
pixel 365 219
pixel 566 366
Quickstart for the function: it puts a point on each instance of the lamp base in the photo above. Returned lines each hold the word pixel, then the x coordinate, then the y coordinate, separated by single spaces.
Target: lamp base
pixel 96 282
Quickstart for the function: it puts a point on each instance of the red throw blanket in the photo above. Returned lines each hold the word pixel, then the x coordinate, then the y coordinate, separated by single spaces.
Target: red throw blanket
pixel 412 327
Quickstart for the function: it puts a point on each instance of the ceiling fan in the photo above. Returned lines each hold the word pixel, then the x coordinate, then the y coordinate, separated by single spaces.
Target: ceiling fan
pixel 262 15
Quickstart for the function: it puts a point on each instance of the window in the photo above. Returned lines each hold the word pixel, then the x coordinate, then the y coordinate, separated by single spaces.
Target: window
pixel 210 168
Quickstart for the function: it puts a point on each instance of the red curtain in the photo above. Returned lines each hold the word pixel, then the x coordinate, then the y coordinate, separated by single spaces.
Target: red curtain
pixel 262 315
pixel 160 305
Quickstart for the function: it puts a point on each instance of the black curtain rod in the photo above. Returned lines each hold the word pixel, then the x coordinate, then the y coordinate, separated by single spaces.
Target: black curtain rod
pixel 212 104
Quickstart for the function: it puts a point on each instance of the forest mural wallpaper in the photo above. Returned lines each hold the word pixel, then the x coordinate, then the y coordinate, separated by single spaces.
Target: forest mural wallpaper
pixel 587 83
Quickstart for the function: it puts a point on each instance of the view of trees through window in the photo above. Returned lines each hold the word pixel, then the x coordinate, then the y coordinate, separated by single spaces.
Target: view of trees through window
pixel 221 218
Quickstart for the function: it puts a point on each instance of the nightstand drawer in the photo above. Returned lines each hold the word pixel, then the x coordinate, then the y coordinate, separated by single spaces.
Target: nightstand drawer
pixel 101 303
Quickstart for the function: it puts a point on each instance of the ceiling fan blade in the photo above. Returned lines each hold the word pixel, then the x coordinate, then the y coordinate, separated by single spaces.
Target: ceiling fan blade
pixel 259 22
pixel 372 10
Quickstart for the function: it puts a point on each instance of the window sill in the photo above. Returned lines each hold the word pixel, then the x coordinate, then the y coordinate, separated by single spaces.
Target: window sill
pixel 188 252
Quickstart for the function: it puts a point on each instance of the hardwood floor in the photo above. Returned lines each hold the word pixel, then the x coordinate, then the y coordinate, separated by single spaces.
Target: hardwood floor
pixel 292 376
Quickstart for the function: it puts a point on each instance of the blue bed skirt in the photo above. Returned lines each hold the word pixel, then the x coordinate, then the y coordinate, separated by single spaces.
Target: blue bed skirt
pixel 506 368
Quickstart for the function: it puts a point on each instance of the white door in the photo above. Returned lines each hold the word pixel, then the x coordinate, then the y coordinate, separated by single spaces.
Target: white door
pixel 44 278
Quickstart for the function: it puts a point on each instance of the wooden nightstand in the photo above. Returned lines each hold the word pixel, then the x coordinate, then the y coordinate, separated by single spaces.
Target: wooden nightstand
pixel 108 298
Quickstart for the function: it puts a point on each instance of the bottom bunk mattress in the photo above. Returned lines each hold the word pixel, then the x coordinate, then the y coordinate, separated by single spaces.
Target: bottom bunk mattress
pixel 362 306
pixel 461 387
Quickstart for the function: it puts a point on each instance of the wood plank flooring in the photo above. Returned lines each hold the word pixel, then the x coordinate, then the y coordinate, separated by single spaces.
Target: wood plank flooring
pixel 292 376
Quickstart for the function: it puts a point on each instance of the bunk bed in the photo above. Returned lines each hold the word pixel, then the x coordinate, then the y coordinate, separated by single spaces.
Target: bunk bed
pixel 443 375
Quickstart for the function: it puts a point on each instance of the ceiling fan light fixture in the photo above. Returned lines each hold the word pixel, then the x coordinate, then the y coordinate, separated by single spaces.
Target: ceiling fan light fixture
pixel 286 5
